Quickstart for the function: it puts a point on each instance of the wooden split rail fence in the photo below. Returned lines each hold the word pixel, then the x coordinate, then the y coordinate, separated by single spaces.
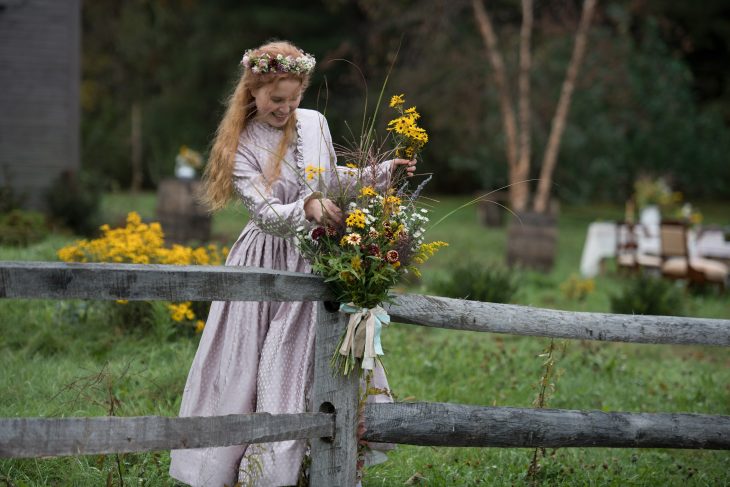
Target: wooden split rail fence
pixel 331 427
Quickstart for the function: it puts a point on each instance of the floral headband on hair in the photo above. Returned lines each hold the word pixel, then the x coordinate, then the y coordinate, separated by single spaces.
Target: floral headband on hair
pixel 265 64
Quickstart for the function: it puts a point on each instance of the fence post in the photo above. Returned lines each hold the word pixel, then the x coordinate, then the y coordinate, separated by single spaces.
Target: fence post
pixel 333 459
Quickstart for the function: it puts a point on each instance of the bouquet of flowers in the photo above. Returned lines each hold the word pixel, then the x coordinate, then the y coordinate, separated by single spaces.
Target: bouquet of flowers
pixel 382 239
pixel 649 191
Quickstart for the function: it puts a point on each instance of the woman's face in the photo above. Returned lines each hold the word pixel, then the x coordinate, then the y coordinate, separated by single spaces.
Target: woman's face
pixel 275 102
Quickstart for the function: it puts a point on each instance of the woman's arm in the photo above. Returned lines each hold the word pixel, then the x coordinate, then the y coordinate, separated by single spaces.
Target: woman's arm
pixel 266 210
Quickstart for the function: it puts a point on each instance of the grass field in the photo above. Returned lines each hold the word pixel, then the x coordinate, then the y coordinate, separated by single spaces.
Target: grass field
pixel 64 359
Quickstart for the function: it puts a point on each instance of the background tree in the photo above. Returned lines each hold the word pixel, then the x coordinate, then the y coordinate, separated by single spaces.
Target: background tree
pixel 641 101
pixel 518 152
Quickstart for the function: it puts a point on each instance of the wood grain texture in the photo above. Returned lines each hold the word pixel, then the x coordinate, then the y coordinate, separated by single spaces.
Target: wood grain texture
pixel 58 280
pixel 54 280
pixel 444 424
pixel 334 460
pixel 41 437
pixel 459 314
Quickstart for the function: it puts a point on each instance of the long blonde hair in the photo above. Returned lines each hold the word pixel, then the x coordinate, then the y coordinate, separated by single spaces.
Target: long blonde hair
pixel 240 108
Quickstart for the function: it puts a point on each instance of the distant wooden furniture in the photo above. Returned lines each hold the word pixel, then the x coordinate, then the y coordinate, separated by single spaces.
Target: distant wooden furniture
pixel 677 263
pixel 628 254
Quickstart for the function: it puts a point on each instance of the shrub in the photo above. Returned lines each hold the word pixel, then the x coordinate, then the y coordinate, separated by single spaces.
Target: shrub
pixel 577 289
pixel 490 283
pixel 21 228
pixel 142 243
pixel 74 200
pixel 647 295
pixel 9 198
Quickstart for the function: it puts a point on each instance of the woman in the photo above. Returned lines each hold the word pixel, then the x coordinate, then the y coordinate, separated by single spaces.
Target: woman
pixel 258 357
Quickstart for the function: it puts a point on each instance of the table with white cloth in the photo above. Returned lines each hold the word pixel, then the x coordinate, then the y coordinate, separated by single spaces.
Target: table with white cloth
pixel 601 243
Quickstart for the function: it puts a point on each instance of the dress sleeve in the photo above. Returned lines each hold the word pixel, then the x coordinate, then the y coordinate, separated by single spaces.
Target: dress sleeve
pixel 265 209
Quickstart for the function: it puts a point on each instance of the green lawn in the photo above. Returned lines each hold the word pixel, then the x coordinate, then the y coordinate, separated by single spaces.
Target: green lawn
pixel 68 359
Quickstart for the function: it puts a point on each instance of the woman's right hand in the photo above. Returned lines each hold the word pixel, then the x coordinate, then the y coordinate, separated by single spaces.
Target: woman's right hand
pixel 323 211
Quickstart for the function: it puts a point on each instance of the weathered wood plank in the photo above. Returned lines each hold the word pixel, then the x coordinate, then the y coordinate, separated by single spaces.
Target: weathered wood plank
pixel 443 424
pixel 458 314
pixel 57 280
pixel 53 280
pixel 41 437
pixel 334 460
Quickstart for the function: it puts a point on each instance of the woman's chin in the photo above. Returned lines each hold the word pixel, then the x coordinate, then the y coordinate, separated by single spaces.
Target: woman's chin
pixel 275 121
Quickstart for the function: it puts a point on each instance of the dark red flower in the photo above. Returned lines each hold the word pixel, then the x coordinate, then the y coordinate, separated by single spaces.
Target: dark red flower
pixel 392 256
pixel 318 232
pixel 373 249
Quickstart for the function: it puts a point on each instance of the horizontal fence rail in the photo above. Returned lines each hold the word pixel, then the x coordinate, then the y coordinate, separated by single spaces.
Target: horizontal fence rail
pixel 52 280
pixel 426 424
pixel 149 282
pixel 445 424
pixel 459 314
pixel 41 437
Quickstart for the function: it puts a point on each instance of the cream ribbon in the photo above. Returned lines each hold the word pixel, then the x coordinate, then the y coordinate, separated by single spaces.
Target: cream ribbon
pixel 362 338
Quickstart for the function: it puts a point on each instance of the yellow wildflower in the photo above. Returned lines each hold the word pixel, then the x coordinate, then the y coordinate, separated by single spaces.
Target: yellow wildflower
pixel 412 113
pixel 368 191
pixel 426 251
pixel 312 171
pixel 199 325
pixel 356 219
pixel 397 100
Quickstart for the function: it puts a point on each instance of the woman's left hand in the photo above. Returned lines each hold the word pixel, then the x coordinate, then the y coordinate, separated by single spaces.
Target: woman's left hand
pixel 410 166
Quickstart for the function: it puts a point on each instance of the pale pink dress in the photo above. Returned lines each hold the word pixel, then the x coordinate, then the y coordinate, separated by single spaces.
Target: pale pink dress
pixel 258 356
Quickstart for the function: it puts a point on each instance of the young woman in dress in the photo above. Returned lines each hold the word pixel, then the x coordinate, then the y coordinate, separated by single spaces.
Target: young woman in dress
pixel 258 356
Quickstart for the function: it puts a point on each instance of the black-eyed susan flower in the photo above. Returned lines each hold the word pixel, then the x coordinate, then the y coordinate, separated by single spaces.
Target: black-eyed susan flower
pixel 397 101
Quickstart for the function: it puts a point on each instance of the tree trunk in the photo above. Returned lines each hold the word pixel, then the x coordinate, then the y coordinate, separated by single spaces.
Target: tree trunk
pixel 561 113
pixel 136 137
pixel 519 193
pixel 522 171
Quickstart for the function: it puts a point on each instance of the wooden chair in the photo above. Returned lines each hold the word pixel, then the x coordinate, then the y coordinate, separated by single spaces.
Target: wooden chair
pixel 677 262
pixel 627 249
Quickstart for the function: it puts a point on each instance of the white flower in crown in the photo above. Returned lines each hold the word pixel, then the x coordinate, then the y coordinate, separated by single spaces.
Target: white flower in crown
pixel 264 64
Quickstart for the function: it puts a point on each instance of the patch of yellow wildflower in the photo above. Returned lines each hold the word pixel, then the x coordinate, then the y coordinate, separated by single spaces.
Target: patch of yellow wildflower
pixel 397 101
pixel 425 252
pixel 368 191
pixel 142 243
pixel 356 219
pixel 577 289
pixel 409 137
pixel 312 171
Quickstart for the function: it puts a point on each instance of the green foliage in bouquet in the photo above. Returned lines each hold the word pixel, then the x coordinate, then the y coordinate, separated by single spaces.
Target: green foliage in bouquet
pixel 383 235
pixel 382 240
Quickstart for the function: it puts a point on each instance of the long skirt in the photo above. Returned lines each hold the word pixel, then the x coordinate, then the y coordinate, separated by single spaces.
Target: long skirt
pixel 252 357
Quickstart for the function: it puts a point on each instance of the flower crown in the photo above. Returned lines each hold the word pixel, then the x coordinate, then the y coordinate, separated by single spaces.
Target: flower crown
pixel 264 63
